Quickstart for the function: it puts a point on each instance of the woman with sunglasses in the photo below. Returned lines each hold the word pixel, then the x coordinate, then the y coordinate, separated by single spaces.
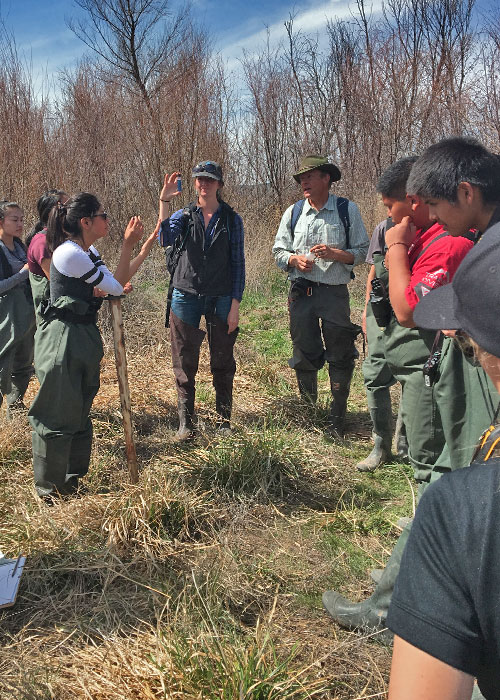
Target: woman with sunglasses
pixel 445 610
pixel 17 320
pixel 209 278
pixel 68 347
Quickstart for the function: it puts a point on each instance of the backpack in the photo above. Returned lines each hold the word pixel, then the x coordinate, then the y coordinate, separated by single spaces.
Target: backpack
pixel 342 210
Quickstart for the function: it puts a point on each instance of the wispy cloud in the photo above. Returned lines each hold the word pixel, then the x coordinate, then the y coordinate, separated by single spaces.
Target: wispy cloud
pixel 311 20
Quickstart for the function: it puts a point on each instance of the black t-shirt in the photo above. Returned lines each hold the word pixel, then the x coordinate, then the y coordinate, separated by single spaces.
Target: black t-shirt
pixel 446 600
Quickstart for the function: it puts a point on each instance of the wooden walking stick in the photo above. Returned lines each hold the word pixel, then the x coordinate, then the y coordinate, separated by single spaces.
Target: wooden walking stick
pixel 121 371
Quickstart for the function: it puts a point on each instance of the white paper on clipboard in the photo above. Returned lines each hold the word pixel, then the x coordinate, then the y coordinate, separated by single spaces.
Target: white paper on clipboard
pixel 10 577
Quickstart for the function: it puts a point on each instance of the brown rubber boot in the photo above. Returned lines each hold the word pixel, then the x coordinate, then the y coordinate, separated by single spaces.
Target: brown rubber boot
pixel 185 343
pixel 223 368
pixel 185 408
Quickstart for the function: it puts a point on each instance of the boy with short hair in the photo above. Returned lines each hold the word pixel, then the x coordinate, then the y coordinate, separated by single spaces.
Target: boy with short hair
pixel 420 256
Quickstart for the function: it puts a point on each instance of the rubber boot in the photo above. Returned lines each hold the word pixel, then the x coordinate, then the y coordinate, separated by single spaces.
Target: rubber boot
pixel 185 341
pixel 50 466
pixel 185 408
pixel 223 368
pixel 400 436
pixel 308 385
pixel 369 615
pixel 340 383
pixel 381 416
pixel 81 448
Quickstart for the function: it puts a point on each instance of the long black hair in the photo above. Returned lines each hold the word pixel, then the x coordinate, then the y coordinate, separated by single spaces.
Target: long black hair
pixel 64 219
pixel 44 206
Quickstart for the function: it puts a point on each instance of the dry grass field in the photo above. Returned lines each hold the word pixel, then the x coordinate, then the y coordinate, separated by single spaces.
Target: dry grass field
pixel 205 579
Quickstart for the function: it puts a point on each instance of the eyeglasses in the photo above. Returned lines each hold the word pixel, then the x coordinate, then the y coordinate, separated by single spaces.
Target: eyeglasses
pixel 104 215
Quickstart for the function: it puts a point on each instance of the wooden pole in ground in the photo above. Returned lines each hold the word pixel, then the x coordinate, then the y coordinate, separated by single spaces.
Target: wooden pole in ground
pixel 121 371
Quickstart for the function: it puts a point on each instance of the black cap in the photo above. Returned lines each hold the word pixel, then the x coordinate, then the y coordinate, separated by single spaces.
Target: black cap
pixel 207 168
pixel 472 301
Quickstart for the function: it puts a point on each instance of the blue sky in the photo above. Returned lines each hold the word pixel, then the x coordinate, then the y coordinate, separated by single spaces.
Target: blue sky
pixel 42 35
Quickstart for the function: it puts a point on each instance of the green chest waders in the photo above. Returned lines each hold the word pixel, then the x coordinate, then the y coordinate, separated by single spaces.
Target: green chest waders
pixel 470 400
pixel 67 358
pixel 406 351
pixel 40 289
pixel 17 325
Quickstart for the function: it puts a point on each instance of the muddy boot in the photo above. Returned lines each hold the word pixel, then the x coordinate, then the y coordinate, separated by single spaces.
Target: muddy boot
pixel 340 383
pixel 381 416
pixel 400 436
pixel 308 385
pixel 185 408
pixel 369 615
pixel 223 368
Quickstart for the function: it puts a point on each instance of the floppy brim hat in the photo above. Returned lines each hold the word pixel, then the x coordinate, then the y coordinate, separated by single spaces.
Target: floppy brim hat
pixel 320 163
pixel 472 301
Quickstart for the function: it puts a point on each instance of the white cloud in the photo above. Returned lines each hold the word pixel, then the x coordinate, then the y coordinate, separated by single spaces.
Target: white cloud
pixel 311 20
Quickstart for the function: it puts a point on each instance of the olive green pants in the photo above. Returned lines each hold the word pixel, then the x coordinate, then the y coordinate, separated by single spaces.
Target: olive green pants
pixel 67 357
pixel 17 326
pixel 406 351
pixel 40 288
pixel 377 374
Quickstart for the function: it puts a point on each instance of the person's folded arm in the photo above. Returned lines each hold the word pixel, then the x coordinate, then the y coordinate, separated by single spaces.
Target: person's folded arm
pixel 416 675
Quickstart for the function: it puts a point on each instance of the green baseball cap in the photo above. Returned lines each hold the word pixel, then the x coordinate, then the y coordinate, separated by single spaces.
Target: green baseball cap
pixel 319 162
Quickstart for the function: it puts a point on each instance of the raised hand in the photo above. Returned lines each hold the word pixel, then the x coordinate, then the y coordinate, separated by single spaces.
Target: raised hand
pixel 169 189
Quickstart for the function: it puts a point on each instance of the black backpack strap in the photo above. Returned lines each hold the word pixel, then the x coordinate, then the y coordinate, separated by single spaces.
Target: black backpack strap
pixel 343 212
pixel 296 212
pixel 173 256
pixel 441 235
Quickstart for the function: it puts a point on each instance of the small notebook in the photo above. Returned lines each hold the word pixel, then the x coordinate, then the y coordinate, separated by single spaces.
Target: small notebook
pixel 10 577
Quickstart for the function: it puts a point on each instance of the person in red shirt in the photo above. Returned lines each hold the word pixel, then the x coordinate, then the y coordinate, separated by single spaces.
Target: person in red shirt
pixel 420 256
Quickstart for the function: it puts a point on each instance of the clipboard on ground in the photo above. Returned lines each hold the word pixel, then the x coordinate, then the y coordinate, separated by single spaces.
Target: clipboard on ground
pixel 10 578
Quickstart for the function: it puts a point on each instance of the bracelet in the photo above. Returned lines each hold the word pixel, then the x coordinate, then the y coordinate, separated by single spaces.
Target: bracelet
pixel 398 243
pixel 167 201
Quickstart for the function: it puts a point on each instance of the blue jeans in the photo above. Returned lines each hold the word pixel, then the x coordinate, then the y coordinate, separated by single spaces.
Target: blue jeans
pixel 191 307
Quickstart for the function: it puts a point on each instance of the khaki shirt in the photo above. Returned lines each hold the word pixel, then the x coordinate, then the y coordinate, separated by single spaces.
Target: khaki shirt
pixel 324 226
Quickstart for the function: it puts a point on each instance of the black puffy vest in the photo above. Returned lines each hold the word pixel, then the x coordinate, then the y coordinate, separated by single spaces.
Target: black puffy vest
pixel 206 271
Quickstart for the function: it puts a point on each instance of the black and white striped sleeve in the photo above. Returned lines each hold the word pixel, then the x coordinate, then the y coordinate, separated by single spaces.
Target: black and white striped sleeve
pixel 71 260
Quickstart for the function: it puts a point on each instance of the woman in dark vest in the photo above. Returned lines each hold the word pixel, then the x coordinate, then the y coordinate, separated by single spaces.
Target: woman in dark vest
pixel 68 346
pixel 17 319
pixel 208 280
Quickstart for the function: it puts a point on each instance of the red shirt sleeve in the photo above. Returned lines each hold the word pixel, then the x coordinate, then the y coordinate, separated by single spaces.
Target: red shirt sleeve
pixel 37 252
pixel 436 267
